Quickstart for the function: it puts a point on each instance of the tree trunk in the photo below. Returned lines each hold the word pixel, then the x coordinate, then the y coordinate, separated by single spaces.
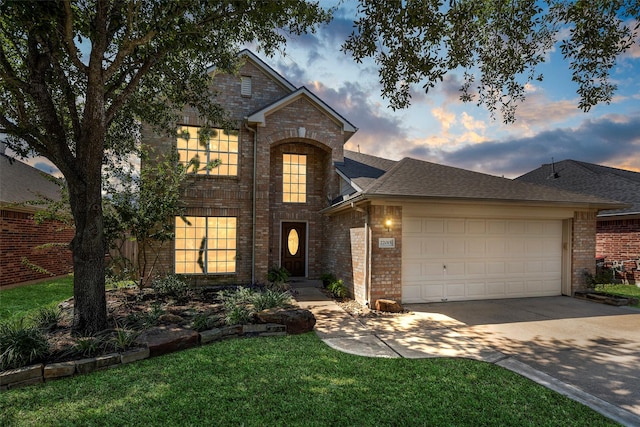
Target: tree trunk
pixel 90 306
pixel 88 245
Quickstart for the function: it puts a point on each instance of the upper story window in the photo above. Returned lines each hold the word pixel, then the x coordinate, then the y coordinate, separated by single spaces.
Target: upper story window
pixel 199 149
pixel 294 178
pixel 245 85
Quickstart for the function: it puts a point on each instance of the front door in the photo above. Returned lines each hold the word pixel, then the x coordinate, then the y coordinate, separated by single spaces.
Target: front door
pixel 293 248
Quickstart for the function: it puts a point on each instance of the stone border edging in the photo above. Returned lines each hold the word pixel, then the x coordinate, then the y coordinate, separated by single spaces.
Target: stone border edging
pixel 40 373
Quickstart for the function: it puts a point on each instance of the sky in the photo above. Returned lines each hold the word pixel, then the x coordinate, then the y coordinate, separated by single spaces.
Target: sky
pixel 440 128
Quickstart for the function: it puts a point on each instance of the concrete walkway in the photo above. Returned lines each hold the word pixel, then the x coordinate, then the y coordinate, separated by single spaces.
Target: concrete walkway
pixel 439 336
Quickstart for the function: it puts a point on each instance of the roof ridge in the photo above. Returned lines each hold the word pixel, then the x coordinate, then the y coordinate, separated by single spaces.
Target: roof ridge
pixel 387 175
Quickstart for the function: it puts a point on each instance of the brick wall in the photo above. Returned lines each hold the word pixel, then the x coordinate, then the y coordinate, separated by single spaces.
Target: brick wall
pixel 308 212
pixel 19 236
pixel 386 263
pixel 619 240
pixel 343 250
pixel 233 196
pixel 584 247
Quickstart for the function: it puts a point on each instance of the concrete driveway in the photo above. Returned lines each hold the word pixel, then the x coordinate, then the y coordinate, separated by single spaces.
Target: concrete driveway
pixel 590 346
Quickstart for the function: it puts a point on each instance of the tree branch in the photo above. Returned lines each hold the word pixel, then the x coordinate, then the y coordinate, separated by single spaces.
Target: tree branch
pixel 70 46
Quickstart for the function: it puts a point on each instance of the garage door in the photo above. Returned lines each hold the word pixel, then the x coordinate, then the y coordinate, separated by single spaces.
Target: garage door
pixel 468 259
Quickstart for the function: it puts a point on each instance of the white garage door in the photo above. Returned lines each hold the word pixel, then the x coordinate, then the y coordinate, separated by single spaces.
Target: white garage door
pixel 468 259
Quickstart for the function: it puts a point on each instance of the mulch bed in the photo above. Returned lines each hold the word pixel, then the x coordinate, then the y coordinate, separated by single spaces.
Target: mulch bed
pixel 129 309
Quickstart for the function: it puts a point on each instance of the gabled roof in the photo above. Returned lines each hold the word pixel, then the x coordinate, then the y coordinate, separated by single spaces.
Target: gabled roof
pixel 260 117
pixel 417 179
pixel 246 53
pixel 592 179
pixel 21 183
pixel 360 170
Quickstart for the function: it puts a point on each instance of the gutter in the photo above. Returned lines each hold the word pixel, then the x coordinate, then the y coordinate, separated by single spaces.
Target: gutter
pixel 357 197
pixel 253 201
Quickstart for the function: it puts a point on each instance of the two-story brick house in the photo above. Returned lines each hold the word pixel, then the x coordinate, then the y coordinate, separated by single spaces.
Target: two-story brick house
pixel 288 194
pixel 262 206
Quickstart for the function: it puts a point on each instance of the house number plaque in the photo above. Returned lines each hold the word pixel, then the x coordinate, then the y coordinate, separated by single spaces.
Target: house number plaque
pixel 387 242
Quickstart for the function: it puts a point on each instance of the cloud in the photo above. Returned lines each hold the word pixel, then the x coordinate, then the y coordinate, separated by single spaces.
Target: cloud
pixel 379 133
pixel 444 117
pixel 608 141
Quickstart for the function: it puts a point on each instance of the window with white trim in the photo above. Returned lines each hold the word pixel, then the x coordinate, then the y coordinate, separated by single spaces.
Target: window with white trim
pixel 199 149
pixel 294 178
pixel 205 245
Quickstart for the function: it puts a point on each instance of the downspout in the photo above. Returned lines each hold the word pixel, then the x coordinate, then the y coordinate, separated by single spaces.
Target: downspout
pixel 366 251
pixel 253 208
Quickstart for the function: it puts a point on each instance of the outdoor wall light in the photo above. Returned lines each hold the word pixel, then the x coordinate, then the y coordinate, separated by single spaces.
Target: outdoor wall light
pixel 388 223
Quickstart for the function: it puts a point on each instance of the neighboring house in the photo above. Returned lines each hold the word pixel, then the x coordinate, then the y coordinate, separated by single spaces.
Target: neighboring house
pixel 618 230
pixel 288 194
pixel 20 236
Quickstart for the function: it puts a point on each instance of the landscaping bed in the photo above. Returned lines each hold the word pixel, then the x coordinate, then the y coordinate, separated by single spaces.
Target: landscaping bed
pixel 606 298
pixel 157 320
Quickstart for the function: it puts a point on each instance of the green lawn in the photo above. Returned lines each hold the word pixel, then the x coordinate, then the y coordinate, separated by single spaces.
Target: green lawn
pixel 21 301
pixel 624 290
pixel 293 380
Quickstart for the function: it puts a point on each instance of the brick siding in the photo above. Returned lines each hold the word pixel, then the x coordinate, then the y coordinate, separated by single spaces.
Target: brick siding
pixel 584 248
pixel 19 236
pixel 233 196
pixel 386 263
pixel 343 251
pixel 619 240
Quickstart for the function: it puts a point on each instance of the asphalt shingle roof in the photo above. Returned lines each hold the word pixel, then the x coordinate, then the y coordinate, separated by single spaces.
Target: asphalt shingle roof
pixel 20 183
pixel 412 178
pixel 588 178
pixel 363 169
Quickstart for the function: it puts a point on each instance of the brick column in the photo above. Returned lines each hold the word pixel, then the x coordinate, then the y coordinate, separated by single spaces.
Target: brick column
pixel 386 263
pixel 584 248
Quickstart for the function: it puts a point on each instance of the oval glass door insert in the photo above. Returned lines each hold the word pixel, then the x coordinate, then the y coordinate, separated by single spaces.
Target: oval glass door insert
pixel 293 241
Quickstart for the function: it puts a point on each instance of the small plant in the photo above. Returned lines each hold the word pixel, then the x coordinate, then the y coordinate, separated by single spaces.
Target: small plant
pixel 278 275
pixel 204 321
pixel 145 320
pixel 238 315
pixel 172 286
pixel 238 296
pixel 46 318
pixel 603 276
pixel 123 339
pixel 87 346
pixel 270 299
pixel 21 345
pixel 338 289
pixel 327 279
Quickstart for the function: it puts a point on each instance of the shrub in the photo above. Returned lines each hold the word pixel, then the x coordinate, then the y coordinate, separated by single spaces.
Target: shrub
pixel 122 339
pixel 270 299
pixel 338 289
pixel 86 346
pixel 327 279
pixel 238 315
pixel 21 345
pixel 240 304
pixel 145 320
pixel 46 318
pixel 604 276
pixel 172 286
pixel 204 321
pixel 278 275
pixel 236 296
